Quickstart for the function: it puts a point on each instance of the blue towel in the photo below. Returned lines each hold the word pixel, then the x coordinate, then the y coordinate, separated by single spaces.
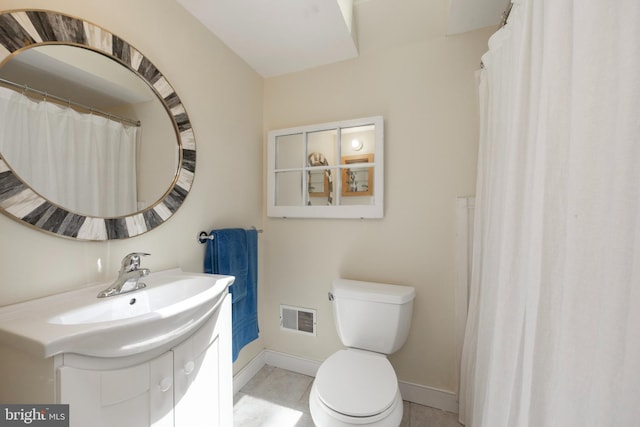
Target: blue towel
pixel 228 254
pixel 234 252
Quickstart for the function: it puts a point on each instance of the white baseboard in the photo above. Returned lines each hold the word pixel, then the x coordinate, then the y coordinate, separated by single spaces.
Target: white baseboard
pixel 292 363
pixel 249 371
pixel 416 393
pixel 429 396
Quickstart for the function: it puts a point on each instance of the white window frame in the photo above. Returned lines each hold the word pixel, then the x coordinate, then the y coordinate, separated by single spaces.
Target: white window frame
pixel 337 210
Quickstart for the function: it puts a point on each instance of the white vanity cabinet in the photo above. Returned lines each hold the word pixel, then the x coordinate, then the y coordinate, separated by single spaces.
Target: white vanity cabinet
pixel 190 385
pixel 139 395
pixel 203 383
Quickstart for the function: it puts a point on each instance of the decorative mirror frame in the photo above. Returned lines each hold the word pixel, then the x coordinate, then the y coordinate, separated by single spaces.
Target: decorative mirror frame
pixel 26 28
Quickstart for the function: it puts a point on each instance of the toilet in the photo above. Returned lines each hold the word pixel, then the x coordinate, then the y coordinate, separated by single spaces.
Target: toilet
pixel 357 385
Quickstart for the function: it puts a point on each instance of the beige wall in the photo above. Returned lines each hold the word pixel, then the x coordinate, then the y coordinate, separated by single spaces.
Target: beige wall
pixel 223 98
pixel 426 92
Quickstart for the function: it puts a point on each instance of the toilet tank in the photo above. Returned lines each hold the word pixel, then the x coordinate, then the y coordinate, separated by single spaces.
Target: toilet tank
pixel 372 316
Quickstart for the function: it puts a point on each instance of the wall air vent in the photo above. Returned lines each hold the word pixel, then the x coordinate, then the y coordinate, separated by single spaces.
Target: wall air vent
pixel 296 319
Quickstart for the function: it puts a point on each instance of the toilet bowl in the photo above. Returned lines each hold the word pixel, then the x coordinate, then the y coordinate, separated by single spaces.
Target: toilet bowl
pixel 357 385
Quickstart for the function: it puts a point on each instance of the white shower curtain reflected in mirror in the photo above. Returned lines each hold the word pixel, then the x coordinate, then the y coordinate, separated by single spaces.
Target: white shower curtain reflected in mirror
pixel 553 330
pixel 83 162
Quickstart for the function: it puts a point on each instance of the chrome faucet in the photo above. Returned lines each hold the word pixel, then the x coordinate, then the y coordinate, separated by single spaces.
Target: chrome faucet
pixel 128 276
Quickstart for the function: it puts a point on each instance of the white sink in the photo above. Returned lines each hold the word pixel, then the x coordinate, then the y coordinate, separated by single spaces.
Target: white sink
pixel 160 299
pixel 173 304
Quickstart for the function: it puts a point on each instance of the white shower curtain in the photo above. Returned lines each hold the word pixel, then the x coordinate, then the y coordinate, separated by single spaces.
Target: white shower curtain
pixel 83 162
pixel 553 331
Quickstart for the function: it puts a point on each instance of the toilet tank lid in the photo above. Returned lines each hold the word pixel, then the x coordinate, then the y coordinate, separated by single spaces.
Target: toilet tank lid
pixel 372 291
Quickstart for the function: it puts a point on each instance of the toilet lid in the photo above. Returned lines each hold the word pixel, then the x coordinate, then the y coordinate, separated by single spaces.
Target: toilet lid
pixel 357 383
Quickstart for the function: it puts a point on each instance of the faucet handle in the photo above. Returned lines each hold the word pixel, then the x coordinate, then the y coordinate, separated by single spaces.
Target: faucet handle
pixel 132 261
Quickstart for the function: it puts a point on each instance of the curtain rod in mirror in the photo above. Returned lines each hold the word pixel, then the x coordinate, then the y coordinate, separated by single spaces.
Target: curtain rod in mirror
pixel 69 102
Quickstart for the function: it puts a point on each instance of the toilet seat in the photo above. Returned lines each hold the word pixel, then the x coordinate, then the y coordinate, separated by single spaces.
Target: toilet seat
pixel 357 383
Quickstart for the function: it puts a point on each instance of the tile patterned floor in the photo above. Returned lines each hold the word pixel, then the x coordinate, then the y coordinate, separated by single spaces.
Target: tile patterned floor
pixel 279 398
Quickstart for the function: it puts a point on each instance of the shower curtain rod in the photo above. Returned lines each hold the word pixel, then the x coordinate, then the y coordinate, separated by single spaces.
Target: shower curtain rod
pixel 69 102
pixel 503 21
pixel 505 15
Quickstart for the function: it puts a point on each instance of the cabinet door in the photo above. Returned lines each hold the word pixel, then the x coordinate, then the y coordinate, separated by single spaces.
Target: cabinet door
pixel 141 395
pixel 203 374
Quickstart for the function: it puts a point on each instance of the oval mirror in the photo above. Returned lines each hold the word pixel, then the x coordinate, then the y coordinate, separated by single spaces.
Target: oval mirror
pixel 54 65
pixel 91 83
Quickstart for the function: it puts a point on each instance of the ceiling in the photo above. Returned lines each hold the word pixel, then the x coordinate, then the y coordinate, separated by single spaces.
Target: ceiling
pixel 82 75
pixel 283 36
pixel 274 37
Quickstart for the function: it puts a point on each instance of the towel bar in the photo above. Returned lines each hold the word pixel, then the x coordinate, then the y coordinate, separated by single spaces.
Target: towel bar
pixel 203 236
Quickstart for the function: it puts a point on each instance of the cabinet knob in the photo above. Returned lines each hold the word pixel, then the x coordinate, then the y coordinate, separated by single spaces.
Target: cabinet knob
pixel 165 384
pixel 188 367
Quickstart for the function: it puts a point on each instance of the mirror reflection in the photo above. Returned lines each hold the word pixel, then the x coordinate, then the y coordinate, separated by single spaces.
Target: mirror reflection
pixel 357 181
pixel 327 166
pixel 358 148
pixel 289 185
pixel 318 184
pixel 86 153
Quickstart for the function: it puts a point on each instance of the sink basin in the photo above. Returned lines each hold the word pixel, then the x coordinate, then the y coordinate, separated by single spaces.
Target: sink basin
pixel 160 299
pixel 173 304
